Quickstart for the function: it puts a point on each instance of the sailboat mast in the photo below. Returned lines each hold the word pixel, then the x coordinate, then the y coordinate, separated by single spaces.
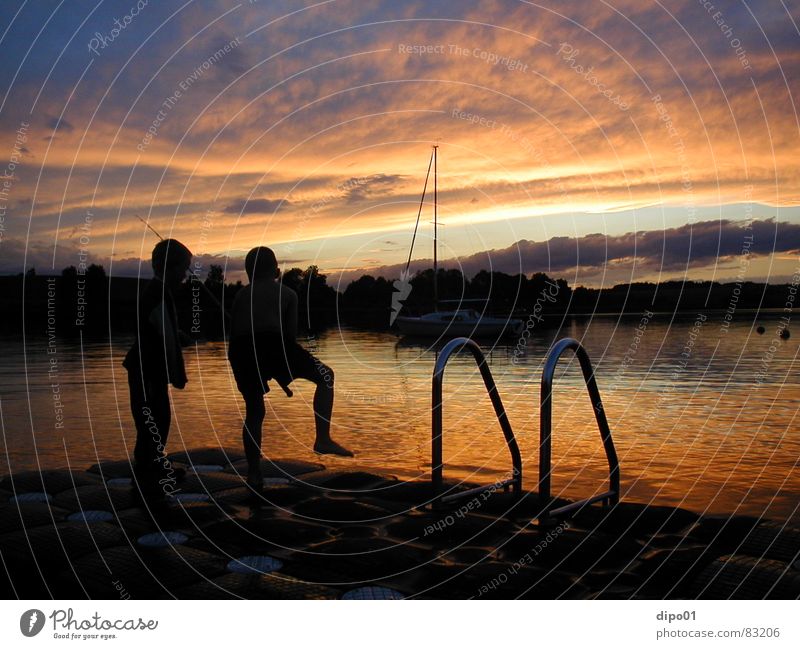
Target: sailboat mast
pixel 435 226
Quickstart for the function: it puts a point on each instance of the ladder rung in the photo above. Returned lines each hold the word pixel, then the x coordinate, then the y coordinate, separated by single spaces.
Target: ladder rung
pixel 581 503
pixel 477 490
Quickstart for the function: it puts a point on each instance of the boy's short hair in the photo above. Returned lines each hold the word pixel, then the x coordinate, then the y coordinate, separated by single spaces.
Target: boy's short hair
pixel 169 253
pixel 260 262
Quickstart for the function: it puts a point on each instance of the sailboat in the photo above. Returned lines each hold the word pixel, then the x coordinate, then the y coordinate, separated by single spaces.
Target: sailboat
pixel 459 322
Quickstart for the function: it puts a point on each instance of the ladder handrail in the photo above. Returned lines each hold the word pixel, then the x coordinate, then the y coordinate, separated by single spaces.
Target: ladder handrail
pixel 457 344
pixel 546 422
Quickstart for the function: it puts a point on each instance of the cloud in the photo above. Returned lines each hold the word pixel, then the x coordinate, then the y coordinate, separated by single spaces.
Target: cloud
pixel 359 189
pixel 673 249
pixel 325 92
pixel 256 206
pixel 669 249
pixel 60 124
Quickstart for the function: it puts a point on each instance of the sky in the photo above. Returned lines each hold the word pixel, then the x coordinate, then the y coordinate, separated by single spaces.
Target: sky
pixel 599 142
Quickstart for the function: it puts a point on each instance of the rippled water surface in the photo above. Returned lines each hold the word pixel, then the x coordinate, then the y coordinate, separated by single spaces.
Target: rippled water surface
pixel 702 417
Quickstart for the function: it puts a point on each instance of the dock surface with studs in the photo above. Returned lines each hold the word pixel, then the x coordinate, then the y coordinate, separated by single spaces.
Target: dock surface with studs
pixel 318 534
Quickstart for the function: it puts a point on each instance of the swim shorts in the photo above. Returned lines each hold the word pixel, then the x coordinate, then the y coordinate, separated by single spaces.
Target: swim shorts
pixel 255 360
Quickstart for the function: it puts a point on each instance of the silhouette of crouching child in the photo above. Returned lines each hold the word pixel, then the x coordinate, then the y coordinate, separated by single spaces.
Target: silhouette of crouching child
pixel 153 362
pixel 263 346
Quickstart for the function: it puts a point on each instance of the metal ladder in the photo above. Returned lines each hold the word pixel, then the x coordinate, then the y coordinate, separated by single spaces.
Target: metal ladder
pixel 610 497
pixel 515 480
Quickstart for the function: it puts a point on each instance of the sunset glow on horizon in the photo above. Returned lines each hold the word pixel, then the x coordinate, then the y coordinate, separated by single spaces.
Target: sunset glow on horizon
pixel 308 127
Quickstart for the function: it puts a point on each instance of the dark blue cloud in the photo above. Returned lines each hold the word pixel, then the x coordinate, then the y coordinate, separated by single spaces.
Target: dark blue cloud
pixel 256 206
pixel 672 249
pixel 55 123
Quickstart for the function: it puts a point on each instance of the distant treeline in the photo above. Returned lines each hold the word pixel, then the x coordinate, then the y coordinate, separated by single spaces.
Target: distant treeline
pixel 100 305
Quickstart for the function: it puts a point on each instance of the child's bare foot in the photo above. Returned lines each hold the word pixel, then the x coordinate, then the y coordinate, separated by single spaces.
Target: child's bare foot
pixel 329 447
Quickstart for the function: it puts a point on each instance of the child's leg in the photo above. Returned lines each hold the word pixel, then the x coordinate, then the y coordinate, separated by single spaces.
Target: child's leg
pixel 323 411
pixel 151 412
pixel 323 402
pixel 251 431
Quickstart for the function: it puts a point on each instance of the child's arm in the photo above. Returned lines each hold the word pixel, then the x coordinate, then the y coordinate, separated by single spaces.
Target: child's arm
pixel 167 331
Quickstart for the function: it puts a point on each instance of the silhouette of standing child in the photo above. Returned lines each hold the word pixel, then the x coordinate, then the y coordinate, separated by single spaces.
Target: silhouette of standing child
pixel 262 347
pixel 154 361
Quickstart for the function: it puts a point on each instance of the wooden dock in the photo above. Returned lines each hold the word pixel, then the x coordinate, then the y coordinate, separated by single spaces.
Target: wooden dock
pixel 319 534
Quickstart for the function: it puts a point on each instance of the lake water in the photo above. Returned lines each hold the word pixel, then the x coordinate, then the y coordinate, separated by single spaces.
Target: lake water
pixel 702 416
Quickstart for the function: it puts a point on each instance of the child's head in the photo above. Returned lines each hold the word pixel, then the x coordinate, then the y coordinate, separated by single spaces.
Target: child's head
pixel 261 263
pixel 171 259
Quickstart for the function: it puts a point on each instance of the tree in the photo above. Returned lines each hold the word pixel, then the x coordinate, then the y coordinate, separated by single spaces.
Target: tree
pixel 215 281
pixel 95 273
pixel 293 278
pixel 216 277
